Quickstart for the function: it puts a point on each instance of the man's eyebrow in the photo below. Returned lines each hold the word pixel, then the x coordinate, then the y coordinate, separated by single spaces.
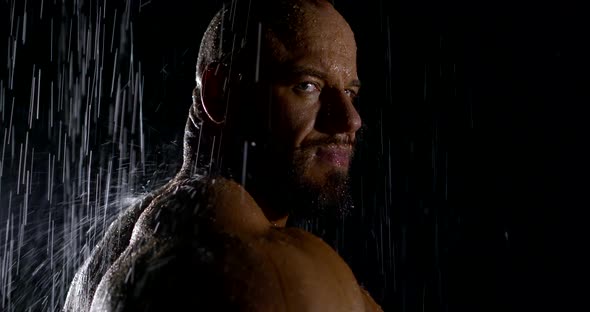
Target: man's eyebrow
pixel 355 83
pixel 307 71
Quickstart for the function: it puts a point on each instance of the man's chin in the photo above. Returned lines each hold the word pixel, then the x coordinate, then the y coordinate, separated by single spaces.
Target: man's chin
pixel 330 199
pixel 308 188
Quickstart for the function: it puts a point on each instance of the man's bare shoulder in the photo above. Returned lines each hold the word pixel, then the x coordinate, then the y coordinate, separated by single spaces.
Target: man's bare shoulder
pixel 132 232
pixel 171 261
pixel 289 269
pixel 104 254
pixel 212 236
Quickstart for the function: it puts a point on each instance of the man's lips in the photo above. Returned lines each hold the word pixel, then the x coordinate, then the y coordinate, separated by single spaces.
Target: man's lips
pixel 335 155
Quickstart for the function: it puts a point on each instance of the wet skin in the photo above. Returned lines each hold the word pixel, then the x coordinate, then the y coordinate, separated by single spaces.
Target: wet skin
pixel 278 268
pixel 313 81
pixel 240 262
pixel 257 263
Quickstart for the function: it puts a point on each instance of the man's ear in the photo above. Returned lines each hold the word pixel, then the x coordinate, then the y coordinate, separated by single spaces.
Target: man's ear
pixel 213 91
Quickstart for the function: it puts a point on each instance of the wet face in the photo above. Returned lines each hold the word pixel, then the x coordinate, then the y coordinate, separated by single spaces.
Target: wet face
pixel 312 82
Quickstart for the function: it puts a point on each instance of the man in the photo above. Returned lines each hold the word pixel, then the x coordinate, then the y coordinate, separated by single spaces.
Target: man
pixel 270 136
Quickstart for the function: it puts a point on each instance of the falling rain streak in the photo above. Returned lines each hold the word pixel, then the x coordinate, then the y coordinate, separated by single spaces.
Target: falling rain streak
pixel 77 145
pixel 73 152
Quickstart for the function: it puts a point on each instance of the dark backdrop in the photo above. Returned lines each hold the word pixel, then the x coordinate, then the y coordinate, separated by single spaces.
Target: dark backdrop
pixel 469 182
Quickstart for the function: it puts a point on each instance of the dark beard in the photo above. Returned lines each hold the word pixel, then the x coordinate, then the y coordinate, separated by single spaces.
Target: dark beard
pixel 311 208
pixel 276 178
pixel 283 187
pixel 310 205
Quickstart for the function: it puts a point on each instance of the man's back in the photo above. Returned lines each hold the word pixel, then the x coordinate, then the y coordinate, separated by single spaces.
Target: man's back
pixel 141 261
pixel 290 128
pixel 188 250
pixel 105 253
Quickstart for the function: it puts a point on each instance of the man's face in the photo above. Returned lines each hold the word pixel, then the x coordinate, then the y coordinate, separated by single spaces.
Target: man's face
pixel 312 81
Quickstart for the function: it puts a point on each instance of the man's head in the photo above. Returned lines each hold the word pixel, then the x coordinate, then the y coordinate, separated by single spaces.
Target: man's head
pixel 289 87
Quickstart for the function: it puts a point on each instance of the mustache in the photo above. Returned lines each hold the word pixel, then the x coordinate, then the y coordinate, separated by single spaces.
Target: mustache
pixel 340 140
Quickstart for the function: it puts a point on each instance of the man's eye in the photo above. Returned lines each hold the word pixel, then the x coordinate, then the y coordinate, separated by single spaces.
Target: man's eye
pixel 307 87
pixel 351 93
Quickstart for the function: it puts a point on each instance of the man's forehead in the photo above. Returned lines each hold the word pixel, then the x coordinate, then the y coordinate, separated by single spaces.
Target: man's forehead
pixel 315 54
pixel 321 31
pixel 332 70
pixel 344 66
pixel 307 21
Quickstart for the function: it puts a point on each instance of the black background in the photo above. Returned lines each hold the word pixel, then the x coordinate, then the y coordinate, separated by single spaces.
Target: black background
pixel 471 176
pixel 473 156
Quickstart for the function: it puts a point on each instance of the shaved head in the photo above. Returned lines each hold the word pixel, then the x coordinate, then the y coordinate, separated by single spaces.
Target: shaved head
pixel 290 83
pixel 231 34
pixel 241 33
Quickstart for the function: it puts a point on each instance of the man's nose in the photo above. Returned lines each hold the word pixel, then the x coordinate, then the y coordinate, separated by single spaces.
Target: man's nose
pixel 337 113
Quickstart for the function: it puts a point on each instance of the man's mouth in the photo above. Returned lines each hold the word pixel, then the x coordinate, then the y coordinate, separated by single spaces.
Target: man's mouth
pixel 335 155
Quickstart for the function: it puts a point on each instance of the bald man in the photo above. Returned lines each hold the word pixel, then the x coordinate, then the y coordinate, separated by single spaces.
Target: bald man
pixel 270 137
